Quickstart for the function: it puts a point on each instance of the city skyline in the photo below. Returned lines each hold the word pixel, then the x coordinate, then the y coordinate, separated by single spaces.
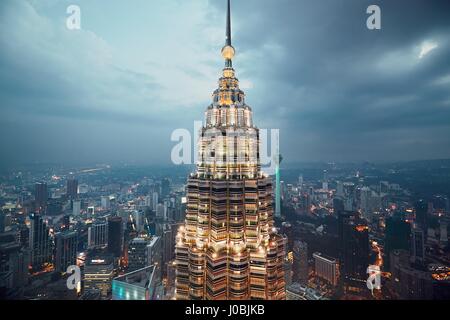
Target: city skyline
pixel 107 193
pixel 115 90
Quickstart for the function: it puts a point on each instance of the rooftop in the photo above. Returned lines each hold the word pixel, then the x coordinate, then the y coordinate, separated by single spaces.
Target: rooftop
pixel 140 278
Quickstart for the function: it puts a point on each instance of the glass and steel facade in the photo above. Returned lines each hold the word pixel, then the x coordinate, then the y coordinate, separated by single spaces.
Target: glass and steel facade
pixel 228 248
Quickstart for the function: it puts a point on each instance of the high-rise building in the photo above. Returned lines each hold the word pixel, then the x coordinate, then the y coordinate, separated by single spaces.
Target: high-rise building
pixel 66 250
pixel 170 279
pixel 287 265
pixel 278 183
pixel 155 201
pixel 325 180
pixel 2 221
pixel 288 230
pixel 115 236
pixel 443 227
pixel 165 188
pixel 98 274
pixel 14 261
pixel 137 254
pixel 138 220
pixel 98 234
pixel 144 252
pixel 398 233
pixel 40 243
pixel 72 188
pixel 300 266
pixel 326 268
pixel 76 207
pixel 167 244
pixel 421 211
pixel 447 207
pixel 228 248
pixel 340 189
pixel 161 211
pixel 365 203
pixel 105 202
pixel 354 245
pixel 300 181
pixel 417 246
pixel 41 196
pixel 90 212
pixel 154 256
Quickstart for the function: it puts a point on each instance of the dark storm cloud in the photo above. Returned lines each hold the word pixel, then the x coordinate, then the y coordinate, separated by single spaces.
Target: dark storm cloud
pixel 340 91
pixel 337 90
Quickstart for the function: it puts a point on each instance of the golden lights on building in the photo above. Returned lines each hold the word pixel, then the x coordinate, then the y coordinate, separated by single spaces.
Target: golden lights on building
pixel 228 248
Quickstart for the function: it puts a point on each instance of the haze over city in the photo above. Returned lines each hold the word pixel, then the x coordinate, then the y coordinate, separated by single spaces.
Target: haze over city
pixel 101 200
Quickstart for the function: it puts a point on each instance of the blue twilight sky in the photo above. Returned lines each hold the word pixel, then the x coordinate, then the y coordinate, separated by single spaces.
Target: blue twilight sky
pixel 116 89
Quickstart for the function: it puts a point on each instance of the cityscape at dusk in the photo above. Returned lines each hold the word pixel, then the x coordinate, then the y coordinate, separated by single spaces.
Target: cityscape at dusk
pixel 252 150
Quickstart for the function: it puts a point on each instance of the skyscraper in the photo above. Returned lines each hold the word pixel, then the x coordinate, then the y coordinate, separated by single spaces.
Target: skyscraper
pixel 228 248
pixel 72 188
pixel 144 252
pixel 98 234
pixel 421 211
pixel 115 236
pixel 66 250
pixel 300 266
pixel 40 244
pixel 14 261
pixel 2 221
pixel 105 202
pixel 76 207
pixel 398 233
pixel 326 268
pixel 165 187
pixel 354 234
pixel 98 274
pixel 155 201
pixel 41 196
pixel 417 246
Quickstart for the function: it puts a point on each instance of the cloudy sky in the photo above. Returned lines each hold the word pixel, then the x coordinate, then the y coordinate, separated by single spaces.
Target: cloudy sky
pixel 116 89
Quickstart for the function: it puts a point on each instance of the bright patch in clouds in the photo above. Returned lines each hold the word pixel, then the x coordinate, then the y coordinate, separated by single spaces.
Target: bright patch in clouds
pixel 426 48
pixel 246 84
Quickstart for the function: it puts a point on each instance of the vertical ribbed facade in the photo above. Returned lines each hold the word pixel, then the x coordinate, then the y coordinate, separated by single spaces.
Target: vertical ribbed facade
pixel 228 248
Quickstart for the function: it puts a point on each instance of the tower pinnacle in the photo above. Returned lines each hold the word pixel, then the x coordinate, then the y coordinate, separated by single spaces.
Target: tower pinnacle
pixel 228 51
pixel 228 35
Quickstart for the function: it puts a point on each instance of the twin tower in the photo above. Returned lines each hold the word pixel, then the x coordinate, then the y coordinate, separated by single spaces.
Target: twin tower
pixel 228 248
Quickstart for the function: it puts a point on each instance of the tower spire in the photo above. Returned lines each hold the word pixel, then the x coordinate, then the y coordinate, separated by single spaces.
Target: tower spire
pixel 228 50
pixel 228 35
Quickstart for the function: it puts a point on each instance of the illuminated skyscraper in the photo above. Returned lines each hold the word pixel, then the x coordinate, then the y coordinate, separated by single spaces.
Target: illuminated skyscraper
pixel 354 245
pixel 228 248
pixel 99 273
pixel 40 243
pixel 98 234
